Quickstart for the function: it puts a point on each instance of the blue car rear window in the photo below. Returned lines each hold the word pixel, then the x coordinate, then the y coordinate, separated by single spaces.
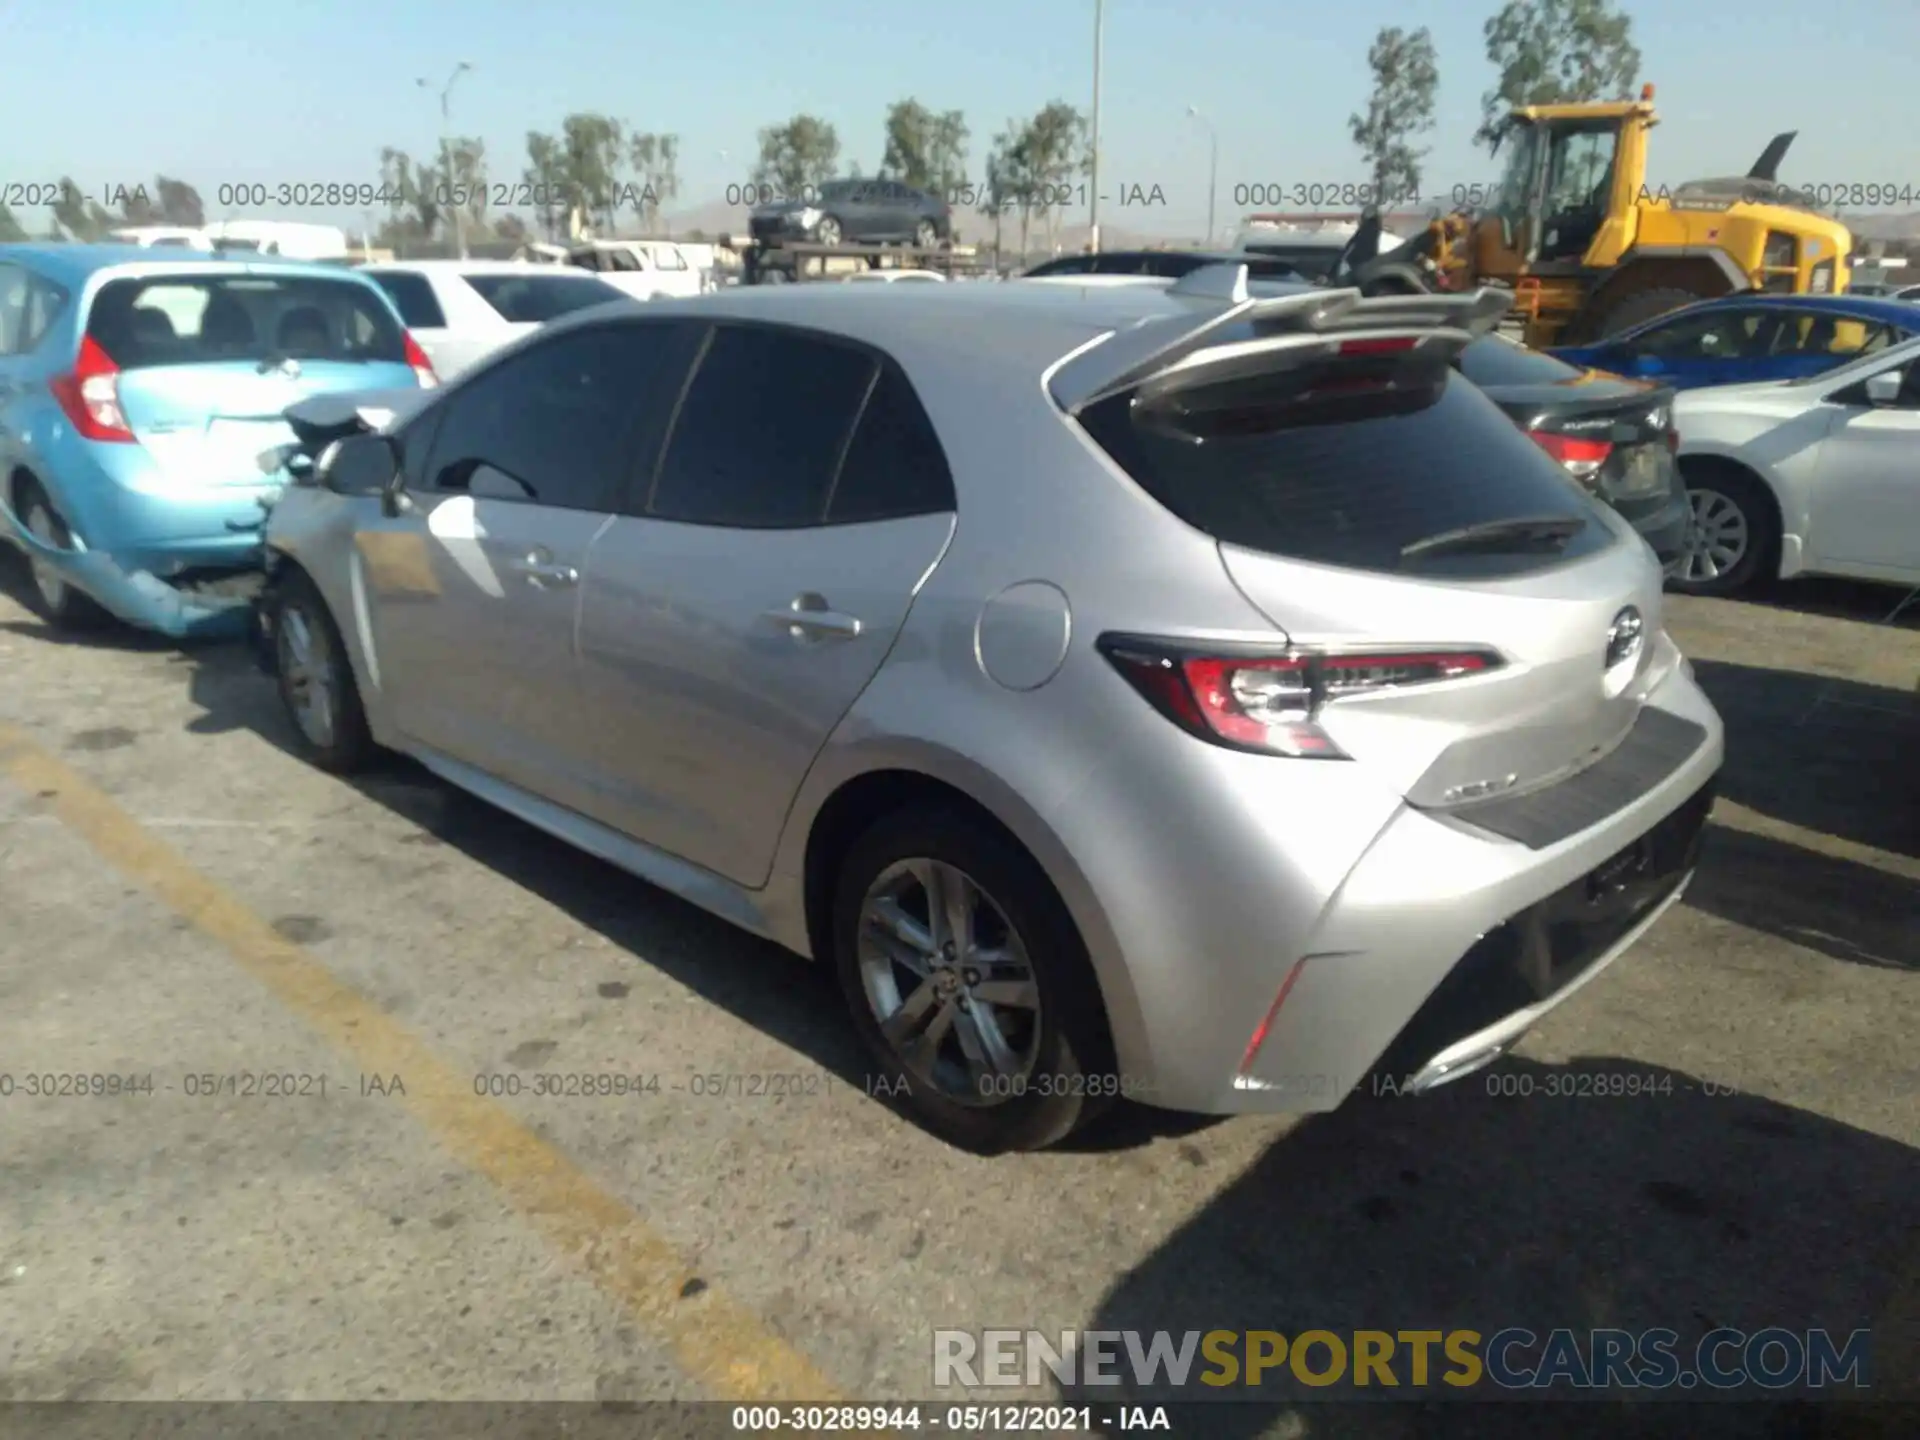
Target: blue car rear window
pixel 206 319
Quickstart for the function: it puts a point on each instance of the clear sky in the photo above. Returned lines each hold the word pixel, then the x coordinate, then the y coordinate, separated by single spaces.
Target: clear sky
pixel 225 91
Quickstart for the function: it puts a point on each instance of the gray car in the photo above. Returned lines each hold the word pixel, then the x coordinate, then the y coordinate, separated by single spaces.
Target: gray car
pixel 1148 692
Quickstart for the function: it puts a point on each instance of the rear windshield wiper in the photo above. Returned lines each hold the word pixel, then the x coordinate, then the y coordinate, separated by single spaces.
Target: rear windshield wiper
pixel 1534 532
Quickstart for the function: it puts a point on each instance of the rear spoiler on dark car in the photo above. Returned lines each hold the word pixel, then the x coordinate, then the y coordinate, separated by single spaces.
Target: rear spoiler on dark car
pixel 1233 328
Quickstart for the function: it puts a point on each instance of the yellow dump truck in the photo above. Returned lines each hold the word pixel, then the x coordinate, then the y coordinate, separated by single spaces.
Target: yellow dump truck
pixel 1590 248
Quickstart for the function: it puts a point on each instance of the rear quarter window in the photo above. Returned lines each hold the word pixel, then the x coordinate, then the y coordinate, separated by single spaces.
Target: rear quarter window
pixel 208 319
pixel 1314 467
pixel 536 299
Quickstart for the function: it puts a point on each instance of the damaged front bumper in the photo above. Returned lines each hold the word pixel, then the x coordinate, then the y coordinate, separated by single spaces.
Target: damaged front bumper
pixel 141 598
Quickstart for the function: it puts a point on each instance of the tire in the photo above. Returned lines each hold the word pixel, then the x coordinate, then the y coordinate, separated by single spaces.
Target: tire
pixel 1735 539
pixel 828 231
pixel 1057 1061
pixel 54 599
pixel 1642 305
pixel 926 235
pixel 315 679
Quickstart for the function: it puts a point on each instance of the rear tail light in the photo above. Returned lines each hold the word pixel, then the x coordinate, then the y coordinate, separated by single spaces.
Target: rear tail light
pixel 1383 345
pixel 1271 703
pixel 417 358
pixel 89 394
pixel 1582 458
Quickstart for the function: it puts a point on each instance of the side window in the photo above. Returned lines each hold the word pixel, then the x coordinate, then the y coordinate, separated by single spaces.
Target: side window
pixel 552 426
pixel 413 297
pixel 894 466
pixel 668 258
pixel 15 288
pixel 1722 335
pixel 45 301
pixel 761 431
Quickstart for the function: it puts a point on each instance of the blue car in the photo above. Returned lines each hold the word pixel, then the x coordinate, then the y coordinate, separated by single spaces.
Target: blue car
pixel 139 389
pixel 1751 337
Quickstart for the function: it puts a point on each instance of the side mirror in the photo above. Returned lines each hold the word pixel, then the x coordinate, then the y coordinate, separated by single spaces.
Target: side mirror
pixel 1884 388
pixel 360 465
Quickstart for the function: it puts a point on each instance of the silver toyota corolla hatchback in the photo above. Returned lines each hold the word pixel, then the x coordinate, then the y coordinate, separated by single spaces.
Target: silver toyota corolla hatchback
pixel 1151 692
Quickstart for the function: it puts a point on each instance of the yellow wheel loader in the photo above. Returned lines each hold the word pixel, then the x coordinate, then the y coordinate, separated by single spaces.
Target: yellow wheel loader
pixel 1590 250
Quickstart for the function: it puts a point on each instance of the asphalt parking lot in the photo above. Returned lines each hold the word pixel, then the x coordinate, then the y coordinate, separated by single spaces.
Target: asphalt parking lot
pixel 180 897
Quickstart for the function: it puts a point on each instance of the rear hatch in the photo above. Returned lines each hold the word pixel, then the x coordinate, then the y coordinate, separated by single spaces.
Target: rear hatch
pixel 1456 612
pixel 205 363
pixel 1614 435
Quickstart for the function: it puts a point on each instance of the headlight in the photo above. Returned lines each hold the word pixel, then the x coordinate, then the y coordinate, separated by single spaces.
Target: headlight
pixel 809 217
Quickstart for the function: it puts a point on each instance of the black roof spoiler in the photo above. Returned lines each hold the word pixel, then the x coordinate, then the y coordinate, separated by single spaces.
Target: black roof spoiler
pixel 1222 299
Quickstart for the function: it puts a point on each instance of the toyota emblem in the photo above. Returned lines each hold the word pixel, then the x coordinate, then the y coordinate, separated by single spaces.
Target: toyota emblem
pixel 1624 637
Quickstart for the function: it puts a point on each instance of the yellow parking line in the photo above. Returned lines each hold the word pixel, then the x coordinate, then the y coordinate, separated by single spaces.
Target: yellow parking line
pixel 719 1344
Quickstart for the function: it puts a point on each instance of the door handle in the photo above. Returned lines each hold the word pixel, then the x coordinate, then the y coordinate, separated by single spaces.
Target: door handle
pixel 808 618
pixel 542 570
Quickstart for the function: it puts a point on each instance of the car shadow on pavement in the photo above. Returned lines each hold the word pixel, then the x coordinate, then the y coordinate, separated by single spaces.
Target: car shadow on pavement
pixel 1519 1197
pixel 1834 756
pixel 797 1003
pixel 1838 907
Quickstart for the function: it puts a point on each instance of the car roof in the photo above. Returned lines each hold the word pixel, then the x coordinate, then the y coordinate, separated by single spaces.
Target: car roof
pixel 75 263
pixel 471 267
pixel 1846 307
pixel 1029 325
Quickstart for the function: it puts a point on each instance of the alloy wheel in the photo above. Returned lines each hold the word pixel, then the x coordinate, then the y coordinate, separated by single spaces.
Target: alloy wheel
pixel 306 675
pixel 949 981
pixel 827 232
pixel 1719 538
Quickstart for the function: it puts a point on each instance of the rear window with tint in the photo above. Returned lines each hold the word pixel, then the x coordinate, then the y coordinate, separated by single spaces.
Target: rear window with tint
pixel 1326 467
pixel 412 295
pixel 199 320
pixel 536 299
pixel 1494 361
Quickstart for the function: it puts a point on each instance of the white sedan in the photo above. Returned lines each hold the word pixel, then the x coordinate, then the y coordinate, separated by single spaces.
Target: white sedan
pixel 461 310
pixel 1819 476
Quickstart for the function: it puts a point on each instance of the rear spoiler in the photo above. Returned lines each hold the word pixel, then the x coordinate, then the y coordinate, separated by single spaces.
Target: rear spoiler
pixel 1309 321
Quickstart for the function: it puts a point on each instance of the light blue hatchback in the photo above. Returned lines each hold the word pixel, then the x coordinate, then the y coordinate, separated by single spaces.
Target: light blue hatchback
pixel 139 390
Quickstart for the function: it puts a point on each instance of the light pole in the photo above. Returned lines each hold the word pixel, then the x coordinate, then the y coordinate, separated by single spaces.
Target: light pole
pixel 1093 169
pixel 457 201
pixel 1213 165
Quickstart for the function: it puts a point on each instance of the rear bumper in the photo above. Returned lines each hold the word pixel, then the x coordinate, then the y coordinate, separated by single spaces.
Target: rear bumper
pixel 1421 957
pixel 140 531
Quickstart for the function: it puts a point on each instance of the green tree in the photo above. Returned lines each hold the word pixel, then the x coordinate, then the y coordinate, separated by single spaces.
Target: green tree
pixel 797 155
pixel 11 230
pixel 545 179
pixel 1405 77
pixel 77 217
pixel 1053 149
pixel 656 162
pixel 593 151
pixel 398 183
pixel 1556 52
pixel 1001 193
pixel 180 203
pixel 925 150
pixel 463 160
